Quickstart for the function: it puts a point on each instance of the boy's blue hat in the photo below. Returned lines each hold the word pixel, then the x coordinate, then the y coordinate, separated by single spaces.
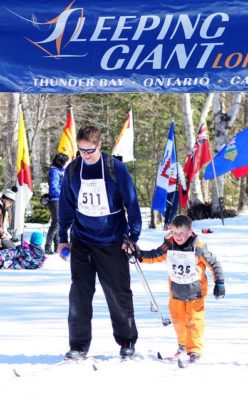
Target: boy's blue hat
pixel 36 238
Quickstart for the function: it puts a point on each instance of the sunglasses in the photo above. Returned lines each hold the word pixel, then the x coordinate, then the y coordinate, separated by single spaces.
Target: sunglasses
pixel 87 151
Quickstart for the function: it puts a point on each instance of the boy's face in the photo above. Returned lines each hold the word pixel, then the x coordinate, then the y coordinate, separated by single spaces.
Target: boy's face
pixel 180 234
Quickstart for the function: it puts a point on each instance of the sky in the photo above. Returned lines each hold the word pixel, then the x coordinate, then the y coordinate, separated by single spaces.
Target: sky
pixel 34 332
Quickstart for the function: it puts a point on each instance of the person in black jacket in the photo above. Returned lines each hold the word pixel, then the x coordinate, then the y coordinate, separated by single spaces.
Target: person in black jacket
pixel 56 174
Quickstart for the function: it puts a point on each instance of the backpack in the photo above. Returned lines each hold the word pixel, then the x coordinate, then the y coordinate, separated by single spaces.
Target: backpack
pixel 110 167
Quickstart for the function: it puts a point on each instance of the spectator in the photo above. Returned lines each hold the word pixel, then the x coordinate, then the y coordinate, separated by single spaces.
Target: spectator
pixel 56 175
pixel 6 203
pixel 24 256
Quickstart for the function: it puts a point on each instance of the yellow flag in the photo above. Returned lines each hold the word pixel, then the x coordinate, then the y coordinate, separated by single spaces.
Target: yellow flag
pixel 24 177
pixel 67 143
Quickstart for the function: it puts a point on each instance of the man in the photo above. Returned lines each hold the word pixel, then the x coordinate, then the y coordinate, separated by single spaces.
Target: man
pixel 6 202
pixel 94 202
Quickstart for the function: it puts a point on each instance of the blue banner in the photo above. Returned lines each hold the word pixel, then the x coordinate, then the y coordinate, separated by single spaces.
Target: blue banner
pixel 84 46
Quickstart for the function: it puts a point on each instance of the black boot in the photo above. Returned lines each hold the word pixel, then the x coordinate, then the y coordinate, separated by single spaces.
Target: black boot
pixel 127 349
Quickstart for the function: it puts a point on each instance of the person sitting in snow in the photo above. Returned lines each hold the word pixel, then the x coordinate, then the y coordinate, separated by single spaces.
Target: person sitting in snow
pixel 25 256
pixel 187 258
pixel 6 202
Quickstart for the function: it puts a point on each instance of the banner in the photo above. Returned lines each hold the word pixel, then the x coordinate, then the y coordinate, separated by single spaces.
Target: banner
pixel 68 143
pixel 24 178
pixel 231 157
pixel 85 46
pixel 124 143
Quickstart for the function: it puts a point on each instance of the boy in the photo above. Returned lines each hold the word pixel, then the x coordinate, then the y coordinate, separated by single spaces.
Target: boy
pixel 187 258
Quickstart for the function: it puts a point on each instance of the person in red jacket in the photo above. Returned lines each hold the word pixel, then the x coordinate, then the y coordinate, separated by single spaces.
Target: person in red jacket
pixel 187 259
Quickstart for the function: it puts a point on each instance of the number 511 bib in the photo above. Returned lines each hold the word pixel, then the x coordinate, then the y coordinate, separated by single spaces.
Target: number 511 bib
pixel 182 266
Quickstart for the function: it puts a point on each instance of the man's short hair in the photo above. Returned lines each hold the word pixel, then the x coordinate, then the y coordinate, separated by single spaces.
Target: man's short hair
pixel 90 133
pixel 182 220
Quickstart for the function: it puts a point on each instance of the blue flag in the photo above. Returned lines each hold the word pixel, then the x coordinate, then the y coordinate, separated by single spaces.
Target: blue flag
pixel 167 177
pixel 233 155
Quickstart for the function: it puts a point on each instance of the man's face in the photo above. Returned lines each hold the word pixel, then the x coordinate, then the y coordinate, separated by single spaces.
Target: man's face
pixel 180 234
pixel 89 151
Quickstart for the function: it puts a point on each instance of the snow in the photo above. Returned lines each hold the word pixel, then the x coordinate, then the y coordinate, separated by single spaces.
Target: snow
pixel 34 335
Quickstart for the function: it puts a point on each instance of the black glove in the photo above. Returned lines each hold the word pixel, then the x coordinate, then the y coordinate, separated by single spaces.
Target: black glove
pixel 132 249
pixel 219 289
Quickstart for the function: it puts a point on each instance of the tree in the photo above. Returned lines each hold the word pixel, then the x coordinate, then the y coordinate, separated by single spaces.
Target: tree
pixel 12 137
pixel 196 196
pixel 224 121
pixel 243 194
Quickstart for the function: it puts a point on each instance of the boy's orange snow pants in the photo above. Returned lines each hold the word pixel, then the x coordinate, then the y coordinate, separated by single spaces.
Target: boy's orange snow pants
pixel 188 318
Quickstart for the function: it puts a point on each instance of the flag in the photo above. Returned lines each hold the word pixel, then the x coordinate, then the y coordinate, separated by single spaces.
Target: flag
pixel 24 177
pixel 233 156
pixel 167 179
pixel 240 172
pixel 200 154
pixel 68 143
pixel 124 144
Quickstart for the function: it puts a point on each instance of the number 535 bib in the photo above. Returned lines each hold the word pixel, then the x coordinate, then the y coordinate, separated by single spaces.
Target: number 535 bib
pixel 182 266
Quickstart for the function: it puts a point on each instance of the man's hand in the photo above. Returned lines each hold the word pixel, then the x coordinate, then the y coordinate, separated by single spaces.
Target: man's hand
pixel 131 248
pixel 61 246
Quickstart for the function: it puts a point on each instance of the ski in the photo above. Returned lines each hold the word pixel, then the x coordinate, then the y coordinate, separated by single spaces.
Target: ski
pixel 52 366
pixel 169 359
pixel 186 363
pixel 133 357
pixel 127 358
pixel 182 364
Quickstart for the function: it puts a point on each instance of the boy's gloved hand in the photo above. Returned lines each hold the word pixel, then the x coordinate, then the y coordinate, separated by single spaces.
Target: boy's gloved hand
pixel 219 289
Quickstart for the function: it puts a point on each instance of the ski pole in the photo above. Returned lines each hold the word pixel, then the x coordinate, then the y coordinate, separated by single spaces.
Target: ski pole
pixel 154 307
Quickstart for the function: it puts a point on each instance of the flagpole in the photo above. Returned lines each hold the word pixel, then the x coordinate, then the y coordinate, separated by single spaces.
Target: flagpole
pixel 19 113
pixel 177 183
pixel 216 185
pixel 175 145
pixel 217 190
pixel 134 152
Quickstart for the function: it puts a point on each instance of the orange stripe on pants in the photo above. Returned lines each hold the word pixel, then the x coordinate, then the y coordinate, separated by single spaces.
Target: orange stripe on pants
pixel 188 318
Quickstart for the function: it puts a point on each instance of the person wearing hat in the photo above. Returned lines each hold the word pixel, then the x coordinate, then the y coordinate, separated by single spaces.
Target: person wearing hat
pixel 6 202
pixel 25 256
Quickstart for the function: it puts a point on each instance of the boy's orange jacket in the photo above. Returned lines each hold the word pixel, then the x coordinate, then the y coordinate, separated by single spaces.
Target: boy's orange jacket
pixel 204 259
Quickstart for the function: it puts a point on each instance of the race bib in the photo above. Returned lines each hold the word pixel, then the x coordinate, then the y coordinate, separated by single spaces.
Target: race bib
pixel 92 198
pixel 182 266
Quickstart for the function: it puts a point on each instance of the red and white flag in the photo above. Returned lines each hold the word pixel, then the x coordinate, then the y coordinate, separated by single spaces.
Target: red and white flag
pixel 24 178
pixel 124 143
pixel 200 154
